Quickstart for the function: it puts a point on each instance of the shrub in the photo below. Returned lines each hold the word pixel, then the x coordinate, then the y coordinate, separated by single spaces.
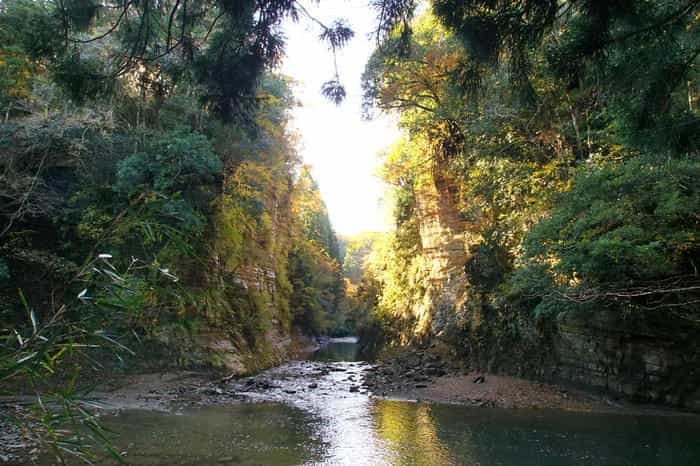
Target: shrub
pixel 627 233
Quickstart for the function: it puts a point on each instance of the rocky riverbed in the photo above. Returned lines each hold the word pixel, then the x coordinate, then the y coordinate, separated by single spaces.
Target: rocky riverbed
pixel 331 390
pixel 422 375
pixel 422 378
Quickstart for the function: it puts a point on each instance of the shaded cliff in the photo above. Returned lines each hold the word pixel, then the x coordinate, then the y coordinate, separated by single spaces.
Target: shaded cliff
pixel 648 357
pixel 546 215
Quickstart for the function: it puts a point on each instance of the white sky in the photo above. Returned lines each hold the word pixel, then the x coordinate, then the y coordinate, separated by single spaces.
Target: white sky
pixel 341 148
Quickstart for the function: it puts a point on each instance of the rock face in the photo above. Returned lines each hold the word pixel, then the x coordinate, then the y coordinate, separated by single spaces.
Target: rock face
pixel 640 358
pixel 443 246
pixel 242 300
pixel 262 279
pixel 646 358
pixel 442 230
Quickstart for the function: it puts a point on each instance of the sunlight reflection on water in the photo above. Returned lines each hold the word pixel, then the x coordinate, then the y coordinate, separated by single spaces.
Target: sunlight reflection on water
pixel 315 413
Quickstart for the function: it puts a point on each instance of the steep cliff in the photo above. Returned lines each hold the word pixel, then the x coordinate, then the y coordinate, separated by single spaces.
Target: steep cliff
pixel 443 249
pixel 649 357
pixel 541 228
pixel 177 240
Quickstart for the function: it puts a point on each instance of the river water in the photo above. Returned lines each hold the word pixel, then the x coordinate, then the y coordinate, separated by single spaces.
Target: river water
pixel 316 413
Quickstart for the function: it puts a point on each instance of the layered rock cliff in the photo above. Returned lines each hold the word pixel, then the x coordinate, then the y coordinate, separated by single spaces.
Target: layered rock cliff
pixel 648 358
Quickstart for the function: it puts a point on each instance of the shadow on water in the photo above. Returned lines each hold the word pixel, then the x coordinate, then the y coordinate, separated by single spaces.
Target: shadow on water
pixel 243 434
pixel 422 434
pixel 338 349
pixel 311 415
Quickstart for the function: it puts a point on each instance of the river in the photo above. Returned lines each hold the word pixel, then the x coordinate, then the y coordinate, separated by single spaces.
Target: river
pixel 316 413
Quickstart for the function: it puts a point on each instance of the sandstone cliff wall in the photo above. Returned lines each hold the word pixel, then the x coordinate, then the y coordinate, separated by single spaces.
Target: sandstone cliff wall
pixel 646 358
pixel 443 251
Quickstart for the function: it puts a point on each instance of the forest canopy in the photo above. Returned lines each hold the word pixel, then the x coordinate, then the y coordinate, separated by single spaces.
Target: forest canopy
pixel 154 211
pixel 565 135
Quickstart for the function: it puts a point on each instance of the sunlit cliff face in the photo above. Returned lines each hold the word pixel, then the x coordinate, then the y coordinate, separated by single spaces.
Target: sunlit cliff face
pixel 440 269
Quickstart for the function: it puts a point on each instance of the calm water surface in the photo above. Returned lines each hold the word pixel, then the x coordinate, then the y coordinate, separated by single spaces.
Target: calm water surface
pixel 330 425
pixel 339 349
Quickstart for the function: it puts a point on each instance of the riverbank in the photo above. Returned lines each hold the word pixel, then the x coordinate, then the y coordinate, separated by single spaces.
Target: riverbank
pixel 490 390
pixel 431 383
pixel 339 392
pixel 149 385
pixel 420 375
pixel 172 390
pixel 175 389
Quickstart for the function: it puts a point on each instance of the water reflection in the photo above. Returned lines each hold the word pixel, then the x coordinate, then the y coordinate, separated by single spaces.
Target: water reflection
pixel 248 434
pixel 317 413
pixel 342 410
pixel 338 349
pixel 347 426
pixel 411 434
pixel 455 435
pixel 352 429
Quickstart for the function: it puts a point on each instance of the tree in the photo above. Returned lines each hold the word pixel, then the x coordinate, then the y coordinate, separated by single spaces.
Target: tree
pixel 314 268
pixel 624 237
pixel 223 46
pixel 556 130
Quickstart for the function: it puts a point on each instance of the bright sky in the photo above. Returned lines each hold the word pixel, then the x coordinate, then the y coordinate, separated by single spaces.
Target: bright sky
pixel 341 148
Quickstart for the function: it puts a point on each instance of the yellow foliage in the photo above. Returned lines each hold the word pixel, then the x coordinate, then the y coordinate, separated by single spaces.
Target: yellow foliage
pixel 16 74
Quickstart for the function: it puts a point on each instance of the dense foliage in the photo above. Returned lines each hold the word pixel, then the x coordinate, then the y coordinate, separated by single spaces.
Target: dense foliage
pixel 565 137
pixel 625 236
pixel 355 252
pixel 152 204
pixel 318 299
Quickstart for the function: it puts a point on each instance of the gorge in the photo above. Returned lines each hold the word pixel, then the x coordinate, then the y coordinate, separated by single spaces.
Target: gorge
pixel 170 270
